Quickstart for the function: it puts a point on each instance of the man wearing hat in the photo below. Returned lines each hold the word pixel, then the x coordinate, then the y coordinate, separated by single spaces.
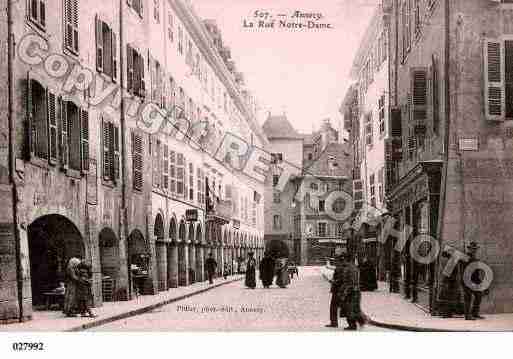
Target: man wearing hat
pixel 471 297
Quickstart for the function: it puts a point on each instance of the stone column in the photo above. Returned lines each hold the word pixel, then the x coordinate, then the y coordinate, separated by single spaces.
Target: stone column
pixel 200 263
pixel 221 254
pixel 161 259
pixel 183 278
pixel 172 265
pixel 192 263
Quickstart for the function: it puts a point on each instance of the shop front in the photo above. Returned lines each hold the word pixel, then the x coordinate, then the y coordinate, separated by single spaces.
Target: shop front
pixel 414 203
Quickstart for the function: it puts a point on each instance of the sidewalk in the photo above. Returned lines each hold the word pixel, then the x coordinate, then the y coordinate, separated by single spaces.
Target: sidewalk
pixel 391 311
pixel 55 321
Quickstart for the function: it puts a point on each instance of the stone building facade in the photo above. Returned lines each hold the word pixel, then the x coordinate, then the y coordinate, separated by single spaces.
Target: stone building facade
pixel 450 99
pixel 304 212
pixel 84 171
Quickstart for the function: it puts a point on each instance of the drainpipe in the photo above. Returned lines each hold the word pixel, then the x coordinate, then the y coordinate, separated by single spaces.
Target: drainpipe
pixel 122 121
pixel 12 155
pixel 443 187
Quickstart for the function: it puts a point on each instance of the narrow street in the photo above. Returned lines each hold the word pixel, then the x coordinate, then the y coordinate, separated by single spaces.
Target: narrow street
pixel 303 306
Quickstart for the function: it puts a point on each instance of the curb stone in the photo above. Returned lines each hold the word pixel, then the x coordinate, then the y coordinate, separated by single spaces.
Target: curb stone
pixel 146 309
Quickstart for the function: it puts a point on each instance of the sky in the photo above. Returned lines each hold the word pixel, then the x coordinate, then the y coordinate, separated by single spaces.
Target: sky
pixel 302 73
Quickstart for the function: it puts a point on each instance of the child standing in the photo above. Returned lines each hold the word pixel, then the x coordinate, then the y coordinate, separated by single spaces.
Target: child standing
pixel 84 290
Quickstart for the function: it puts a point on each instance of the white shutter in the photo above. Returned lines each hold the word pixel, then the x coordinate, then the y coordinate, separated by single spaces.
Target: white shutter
pixel 494 91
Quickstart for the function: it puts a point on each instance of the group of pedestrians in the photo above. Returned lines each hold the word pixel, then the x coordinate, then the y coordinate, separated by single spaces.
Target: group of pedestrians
pixel 346 294
pixel 78 295
pixel 269 268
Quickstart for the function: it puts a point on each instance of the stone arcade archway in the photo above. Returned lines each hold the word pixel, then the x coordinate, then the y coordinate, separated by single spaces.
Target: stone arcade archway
pixel 182 255
pixel 160 253
pixel 53 240
pixel 139 262
pixel 200 254
pixel 172 255
pixel 109 264
pixel 192 254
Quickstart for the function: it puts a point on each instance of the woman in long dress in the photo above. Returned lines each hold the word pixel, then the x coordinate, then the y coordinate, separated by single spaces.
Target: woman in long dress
pixel 283 278
pixel 267 268
pixel 251 272
pixel 71 282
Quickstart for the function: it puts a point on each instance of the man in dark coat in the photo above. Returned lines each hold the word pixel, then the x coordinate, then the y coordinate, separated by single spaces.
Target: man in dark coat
pixel 349 296
pixel 472 298
pixel 368 277
pixel 250 281
pixel 336 282
pixel 267 267
pixel 210 267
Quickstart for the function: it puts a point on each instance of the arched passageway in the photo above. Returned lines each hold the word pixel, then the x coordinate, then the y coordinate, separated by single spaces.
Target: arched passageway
pixel 53 240
pixel 109 263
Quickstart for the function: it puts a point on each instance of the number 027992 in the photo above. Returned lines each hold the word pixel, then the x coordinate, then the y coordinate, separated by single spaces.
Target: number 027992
pixel 36 346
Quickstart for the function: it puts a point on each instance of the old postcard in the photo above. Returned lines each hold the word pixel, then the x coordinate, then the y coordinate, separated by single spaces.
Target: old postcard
pixel 256 166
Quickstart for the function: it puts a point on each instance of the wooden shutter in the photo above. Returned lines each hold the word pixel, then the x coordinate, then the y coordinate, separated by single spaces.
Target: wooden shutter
pixel 155 161
pixel 40 121
pixel 114 52
pixel 42 12
pixel 165 167
pixel 30 119
pixel 142 91
pixel 107 172
pixel 137 161
pixel 130 68
pixel 99 43
pixel 52 127
pixel 84 139
pixel 64 138
pixel 115 151
pixel 185 179
pixel 71 25
pixel 494 91
pixel 358 194
pixel 419 81
pixel 107 50
pixel 172 171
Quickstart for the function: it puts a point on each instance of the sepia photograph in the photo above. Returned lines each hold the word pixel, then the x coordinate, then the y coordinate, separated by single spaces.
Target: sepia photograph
pixel 320 168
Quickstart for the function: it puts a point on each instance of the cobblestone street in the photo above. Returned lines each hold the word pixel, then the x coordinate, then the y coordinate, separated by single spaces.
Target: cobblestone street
pixel 303 306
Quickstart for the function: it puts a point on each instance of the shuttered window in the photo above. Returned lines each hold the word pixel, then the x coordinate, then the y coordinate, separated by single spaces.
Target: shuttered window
pixel 137 161
pixel 185 179
pixel 37 13
pixel 180 174
pixel 165 167
pixel 156 162
pixel 381 112
pixel 369 132
pixel 137 5
pixel 172 171
pixel 135 72
pixel 71 25
pixel 111 151
pixel 37 117
pixel 53 117
pixel 201 187
pixel 73 119
pixel 191 182
pixel 106 51
pixel 494 80
pixel 84 139
pixel 419 80
pixel 435 95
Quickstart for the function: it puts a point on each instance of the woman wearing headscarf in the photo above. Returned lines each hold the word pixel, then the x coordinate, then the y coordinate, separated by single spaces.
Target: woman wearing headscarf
pixel 251 272
pixel 283 278
pixel 71 283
